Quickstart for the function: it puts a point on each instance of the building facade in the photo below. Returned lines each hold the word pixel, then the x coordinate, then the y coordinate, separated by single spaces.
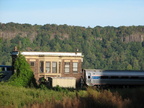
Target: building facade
pixel 54 64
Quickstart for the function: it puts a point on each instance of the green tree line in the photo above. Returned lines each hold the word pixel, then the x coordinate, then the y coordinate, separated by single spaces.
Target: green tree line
pixel 102 47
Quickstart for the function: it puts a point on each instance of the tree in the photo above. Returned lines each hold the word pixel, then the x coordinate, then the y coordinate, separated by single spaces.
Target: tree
pixel 135 64
pixel 102 47
pixel 129 67
pixel 23 76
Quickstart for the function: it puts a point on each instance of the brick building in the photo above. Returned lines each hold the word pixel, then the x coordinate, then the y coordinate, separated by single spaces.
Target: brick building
pixel 53 64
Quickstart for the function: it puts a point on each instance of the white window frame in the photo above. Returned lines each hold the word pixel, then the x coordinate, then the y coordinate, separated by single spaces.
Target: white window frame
pixel 48 68
pixel 75 67
pixel 41 67
pixel 32 63
pixel 67 67
pixel 54 67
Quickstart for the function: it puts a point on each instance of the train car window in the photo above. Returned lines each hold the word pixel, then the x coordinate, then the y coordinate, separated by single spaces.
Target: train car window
pixel 3 69
pixel 114 77
pixel 134 77
pixel 9 68
pixel 141 77
pixel 96 77
pixel 104 77
pixel 124 77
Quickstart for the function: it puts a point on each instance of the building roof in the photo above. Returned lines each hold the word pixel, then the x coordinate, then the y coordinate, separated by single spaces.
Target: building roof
pixel 62 77
pixel 115 72
pixel 50 53
pixel 5 66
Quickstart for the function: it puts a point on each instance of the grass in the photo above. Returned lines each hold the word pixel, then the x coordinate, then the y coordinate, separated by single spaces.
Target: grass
pixel 20 97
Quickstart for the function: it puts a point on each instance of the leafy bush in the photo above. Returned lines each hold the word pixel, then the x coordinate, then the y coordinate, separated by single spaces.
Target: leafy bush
pixel 23 76
pixel 106 99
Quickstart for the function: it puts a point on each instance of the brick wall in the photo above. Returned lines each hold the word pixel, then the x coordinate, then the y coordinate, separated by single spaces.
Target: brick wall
pixel 71 73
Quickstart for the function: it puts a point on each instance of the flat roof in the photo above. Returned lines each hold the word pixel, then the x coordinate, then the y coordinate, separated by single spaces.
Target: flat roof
pixel 50 53
pixel 62 77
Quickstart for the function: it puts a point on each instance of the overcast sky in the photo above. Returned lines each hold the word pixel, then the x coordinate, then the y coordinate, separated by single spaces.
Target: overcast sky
pixel 73 12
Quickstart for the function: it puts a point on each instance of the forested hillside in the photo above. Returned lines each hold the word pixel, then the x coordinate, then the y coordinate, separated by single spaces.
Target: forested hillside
pixel 120 48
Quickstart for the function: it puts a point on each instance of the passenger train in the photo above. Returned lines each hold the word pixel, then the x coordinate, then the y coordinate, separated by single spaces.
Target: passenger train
pixel 97 77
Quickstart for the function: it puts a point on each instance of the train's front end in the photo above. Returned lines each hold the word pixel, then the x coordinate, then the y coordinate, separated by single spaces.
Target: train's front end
pixel 92 77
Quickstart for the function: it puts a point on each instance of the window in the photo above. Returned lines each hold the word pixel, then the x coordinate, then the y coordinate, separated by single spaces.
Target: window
pixel 32 63
pixel 96 77
pixel 134 77
pixel 54 67
pixel 48 67
pixel 67 67
pixel 114 77
pixel 41 66
pixel 75 67
pixel 59 67
pixel 94 73
pixel 125 77
pixel 104 77
pixel 9 68
pixel 3 69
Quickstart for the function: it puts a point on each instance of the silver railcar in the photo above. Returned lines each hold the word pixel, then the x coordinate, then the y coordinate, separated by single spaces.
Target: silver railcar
pixel 96 77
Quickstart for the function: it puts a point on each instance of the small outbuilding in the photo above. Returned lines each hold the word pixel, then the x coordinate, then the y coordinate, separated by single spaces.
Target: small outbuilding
pixel 65 82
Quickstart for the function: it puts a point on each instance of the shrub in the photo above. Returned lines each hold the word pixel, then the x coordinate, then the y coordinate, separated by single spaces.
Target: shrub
pixel 23 75
pixel 19 97
pixel 105 98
